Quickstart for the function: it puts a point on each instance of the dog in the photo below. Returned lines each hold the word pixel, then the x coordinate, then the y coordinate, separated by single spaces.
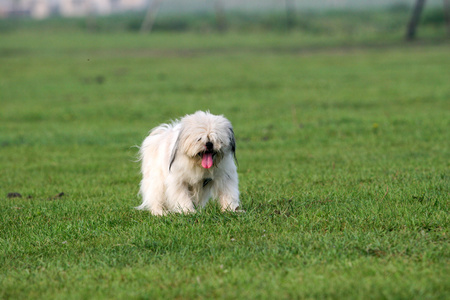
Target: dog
pixel 187 162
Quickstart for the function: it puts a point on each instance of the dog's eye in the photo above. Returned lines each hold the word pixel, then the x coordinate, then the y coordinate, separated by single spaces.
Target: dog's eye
pixel 199 139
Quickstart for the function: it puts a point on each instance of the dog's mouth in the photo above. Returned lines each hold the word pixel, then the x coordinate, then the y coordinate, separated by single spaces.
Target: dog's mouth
pixel 207 159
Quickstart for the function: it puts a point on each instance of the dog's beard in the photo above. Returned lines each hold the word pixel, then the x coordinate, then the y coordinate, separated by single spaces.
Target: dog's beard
pixel 208 159
pixel 206 155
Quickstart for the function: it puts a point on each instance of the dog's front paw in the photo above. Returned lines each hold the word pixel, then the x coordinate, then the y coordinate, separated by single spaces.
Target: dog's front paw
pixel 241 211
pixel 184 210
pixel 158 212
pixel 229 208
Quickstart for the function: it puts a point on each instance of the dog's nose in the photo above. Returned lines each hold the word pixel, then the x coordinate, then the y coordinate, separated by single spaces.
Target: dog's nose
pixel 209 146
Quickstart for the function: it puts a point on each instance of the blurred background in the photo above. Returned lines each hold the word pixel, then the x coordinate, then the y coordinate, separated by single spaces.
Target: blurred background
pixel 380 18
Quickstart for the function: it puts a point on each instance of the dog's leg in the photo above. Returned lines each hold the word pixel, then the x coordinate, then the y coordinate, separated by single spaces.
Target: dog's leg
pixel 227 193
pixel 152 196
pixel 229 202
pixel 178 198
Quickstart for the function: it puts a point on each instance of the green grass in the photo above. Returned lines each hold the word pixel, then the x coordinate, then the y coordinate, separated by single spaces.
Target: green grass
pixel 343 162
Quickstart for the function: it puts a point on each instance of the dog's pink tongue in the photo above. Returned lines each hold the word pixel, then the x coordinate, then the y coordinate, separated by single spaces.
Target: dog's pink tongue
pixel 207 160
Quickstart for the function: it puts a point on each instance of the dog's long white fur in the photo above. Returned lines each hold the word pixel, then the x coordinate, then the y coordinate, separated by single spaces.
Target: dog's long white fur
pixel 173 179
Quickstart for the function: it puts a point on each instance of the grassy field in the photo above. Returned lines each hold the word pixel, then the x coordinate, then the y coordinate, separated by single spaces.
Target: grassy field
pixel 343 157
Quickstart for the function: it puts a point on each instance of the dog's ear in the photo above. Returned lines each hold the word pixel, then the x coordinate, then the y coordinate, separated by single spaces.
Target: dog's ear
pixel 233 144
pixel 174 150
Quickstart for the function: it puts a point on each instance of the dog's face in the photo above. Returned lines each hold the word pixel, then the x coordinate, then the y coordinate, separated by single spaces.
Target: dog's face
pixel 205 138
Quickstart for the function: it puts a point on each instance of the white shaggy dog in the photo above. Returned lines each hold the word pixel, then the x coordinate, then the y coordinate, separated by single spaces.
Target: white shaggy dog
pixel 187 162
